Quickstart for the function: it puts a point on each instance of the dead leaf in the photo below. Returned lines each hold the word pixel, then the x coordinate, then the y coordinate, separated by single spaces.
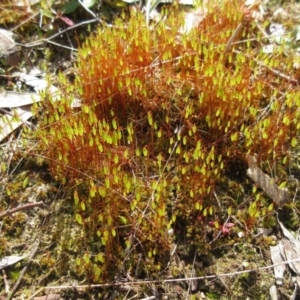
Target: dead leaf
pixel 8 123
pixel 277 258
pixel 7 44
pixel 14 99
pixel 39 84
pixel 292 252
pixel 22 103
pixel 278 195
pixel 10 260
pixel 291 249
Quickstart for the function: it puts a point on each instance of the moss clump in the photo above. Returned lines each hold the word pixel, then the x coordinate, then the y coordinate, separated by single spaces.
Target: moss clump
pixel 162 115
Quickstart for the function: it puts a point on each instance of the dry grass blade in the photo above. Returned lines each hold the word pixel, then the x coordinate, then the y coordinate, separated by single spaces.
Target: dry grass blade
pixel 48 297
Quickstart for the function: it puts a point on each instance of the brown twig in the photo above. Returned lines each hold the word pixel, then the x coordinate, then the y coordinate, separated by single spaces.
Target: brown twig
pixel 19 208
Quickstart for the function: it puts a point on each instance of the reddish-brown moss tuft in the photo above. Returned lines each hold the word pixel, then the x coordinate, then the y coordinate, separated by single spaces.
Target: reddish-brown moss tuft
pixel 162 115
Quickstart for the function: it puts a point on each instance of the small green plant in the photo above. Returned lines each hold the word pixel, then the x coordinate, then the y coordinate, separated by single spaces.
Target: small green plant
pixel 162 115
